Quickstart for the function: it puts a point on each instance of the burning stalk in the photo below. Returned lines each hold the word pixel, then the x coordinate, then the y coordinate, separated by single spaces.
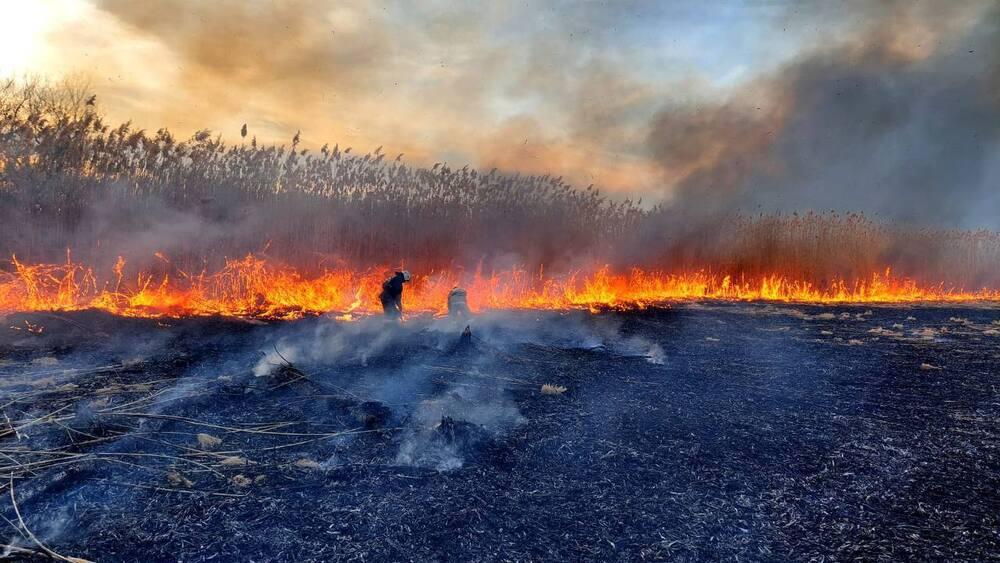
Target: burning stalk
pixel 254 287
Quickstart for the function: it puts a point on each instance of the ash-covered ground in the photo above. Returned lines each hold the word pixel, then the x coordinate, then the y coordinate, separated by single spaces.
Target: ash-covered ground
pixel 698 431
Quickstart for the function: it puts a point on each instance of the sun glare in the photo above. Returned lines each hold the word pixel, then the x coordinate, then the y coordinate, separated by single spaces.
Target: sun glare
pixel 22 35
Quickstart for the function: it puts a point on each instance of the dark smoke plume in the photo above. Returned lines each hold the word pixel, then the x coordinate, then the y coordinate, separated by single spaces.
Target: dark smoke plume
pixel 902 122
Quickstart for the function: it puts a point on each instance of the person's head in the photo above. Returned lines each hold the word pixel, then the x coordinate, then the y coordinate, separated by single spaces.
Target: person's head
pixel 405 274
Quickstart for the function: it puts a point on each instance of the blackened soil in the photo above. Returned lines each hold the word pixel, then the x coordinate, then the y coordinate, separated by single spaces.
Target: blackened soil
pixel 694 432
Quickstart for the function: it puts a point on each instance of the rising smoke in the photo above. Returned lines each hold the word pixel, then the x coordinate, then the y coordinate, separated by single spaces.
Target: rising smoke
pixel 901 121
pixel 410 370
pixel 888 107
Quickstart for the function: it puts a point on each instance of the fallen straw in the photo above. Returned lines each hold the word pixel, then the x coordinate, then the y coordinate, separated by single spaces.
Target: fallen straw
pixel 31 535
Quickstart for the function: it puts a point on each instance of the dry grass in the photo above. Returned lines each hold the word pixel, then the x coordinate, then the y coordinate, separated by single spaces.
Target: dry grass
pixel 241 481
pixel 208 442
pixel 69 180
pixel 309 464
pixel 176 479
pixel 549 389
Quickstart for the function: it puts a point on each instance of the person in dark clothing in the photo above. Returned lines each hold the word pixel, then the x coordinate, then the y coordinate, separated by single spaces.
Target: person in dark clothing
pixel 392 295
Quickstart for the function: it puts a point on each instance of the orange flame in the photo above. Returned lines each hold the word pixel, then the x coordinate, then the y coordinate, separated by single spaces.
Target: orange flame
pixel 254 287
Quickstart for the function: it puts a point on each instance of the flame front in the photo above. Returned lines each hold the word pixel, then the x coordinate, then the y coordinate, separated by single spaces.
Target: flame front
pixel 255 287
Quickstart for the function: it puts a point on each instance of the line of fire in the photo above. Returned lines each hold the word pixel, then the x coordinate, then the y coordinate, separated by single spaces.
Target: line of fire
pixel 254 288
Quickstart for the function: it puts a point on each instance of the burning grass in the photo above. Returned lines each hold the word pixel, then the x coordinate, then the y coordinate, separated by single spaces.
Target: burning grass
pixel 155 224
pixel 254 287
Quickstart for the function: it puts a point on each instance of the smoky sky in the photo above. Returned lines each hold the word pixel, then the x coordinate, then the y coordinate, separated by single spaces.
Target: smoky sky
pixel 885 107
pixel 879 126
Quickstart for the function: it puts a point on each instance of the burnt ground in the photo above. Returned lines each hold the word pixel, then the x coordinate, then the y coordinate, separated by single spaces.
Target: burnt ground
pixel 700 431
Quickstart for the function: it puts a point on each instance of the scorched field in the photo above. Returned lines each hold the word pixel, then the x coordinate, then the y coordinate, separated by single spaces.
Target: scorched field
pixel 694 431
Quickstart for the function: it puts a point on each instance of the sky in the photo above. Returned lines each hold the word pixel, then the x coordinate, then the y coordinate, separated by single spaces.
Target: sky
pixel 682 102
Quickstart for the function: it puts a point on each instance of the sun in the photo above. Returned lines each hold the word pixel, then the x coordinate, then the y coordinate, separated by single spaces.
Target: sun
pixel 22 35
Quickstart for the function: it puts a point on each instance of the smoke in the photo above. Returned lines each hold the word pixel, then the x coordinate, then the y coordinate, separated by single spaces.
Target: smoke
pixel 445 430
pixel 449 406
pixel 888 108
pixel 881 107
pixel 230 46
pixel 900 119
pixel 399 368
pixel 573 330
pixel 416 79
pixel 332 343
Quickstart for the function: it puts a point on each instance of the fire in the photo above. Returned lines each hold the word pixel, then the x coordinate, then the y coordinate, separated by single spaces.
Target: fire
pixel 255 287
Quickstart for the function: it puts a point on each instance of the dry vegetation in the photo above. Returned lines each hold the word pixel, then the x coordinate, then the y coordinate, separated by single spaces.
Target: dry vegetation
pixel 70 180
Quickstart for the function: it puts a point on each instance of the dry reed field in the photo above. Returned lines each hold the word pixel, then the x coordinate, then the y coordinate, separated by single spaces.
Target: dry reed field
pixel 70 180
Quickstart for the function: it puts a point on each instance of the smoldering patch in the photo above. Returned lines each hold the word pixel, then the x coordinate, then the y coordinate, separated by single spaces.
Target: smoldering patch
pixel 565 331
pixel 457 426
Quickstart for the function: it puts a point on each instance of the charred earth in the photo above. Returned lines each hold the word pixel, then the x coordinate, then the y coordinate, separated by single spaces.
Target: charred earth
pixel 698 431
